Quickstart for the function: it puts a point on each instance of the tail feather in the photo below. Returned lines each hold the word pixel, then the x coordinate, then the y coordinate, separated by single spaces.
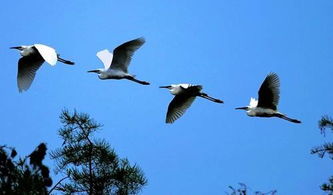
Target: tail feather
pixel 65 61
pixel 204 95
pixel 288 119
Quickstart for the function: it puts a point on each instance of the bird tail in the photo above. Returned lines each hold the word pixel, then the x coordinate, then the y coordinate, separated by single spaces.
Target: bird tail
pixel 65 61
pixel 137 81
pixel 204 95
pixel 287 118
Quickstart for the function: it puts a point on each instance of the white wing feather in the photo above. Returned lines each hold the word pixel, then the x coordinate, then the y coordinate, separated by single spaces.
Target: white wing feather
pixel 184 85
pixel 253 103
pixel 178 88
pixel 48 53
pixel 106 57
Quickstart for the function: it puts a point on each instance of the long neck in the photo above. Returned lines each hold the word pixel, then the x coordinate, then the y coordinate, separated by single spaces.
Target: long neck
pixel 251 111
pixel 28 50
pixel 103 74
pixel 176 90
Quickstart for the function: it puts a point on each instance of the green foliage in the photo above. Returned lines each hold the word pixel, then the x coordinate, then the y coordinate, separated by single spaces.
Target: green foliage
pixel 21 177
pixel 325 123
pixel 328 187
pixel 92 166
pixel 243 189
pixel 323 149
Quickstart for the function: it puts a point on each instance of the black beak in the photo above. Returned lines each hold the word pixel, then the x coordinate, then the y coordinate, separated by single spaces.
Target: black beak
pixel 241 108
pixel 18 47
pixel 165 86
pixel 95 71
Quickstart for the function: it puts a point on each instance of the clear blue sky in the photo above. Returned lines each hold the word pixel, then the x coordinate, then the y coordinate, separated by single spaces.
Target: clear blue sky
pixel 227 46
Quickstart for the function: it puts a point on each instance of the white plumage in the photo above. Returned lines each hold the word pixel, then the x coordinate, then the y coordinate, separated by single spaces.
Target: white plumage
pixel 106 57
pixel 116 63
pixel 269 95
pixel 33 56
pixel 253 103
pixel 48 53
pixel 185 94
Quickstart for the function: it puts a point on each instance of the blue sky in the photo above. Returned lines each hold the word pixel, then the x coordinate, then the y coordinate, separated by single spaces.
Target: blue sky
pixel 227 46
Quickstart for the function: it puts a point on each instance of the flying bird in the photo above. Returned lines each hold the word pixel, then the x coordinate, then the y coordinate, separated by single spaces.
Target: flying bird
pixel 116 63
pixel 33 56
pixel 266 105
pixel 185 94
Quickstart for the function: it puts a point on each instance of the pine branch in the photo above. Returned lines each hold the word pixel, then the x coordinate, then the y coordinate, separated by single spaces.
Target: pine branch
pixel 322 150
pixel 58 183
pixel 324 123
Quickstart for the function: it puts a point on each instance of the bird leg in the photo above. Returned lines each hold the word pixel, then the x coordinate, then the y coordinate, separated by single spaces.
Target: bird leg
pixel 137 81
pixel 204 95
pixel 65 61
pixel 287 118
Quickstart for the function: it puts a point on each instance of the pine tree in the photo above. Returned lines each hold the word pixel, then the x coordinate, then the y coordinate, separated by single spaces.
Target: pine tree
pixel 243 189
pixel 325 123
pixel 91 165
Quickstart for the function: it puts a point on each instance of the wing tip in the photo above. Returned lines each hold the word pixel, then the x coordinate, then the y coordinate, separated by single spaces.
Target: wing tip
pixel 273 75
pixel 22 89
pixel 141 39
pixel 169 121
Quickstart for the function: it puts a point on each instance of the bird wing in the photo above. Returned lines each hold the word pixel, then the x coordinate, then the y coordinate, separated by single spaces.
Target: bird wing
pixel 269 92
pixel 106 57
pixel 48 53
pixel 178 106
pixel 253 103
pixel 27 68
pixel 122 55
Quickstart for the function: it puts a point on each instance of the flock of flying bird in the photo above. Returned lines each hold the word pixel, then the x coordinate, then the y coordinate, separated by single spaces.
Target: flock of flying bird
pixel 116 67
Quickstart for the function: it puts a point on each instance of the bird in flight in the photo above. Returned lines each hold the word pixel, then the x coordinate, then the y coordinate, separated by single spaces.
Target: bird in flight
pixel 33 56
pixel 116 63
pixel 184 97
pixel 266 105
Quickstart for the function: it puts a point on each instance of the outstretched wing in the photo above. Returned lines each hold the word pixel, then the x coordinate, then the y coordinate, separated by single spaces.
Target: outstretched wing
pixel 48 53
pixel 178 106
pixel 122 55
pixel 269 92
pixel 27 68
pixel 106 57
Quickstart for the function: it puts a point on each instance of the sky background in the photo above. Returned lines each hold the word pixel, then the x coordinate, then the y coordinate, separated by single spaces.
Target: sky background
pixel 226 46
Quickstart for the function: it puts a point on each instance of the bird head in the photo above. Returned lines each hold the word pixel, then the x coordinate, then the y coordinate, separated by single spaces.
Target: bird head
pixel 18 47
pixel 173 89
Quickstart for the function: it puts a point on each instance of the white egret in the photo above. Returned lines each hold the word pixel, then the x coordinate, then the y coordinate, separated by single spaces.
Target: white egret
pixel 185 94
pixel 116 64
pixel 266 105
pixel 33 56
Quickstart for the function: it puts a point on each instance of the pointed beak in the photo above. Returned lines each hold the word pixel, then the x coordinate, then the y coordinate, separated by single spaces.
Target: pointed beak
pixel 241 108
pixel 167 87
pixel 18 47
pixel 95 71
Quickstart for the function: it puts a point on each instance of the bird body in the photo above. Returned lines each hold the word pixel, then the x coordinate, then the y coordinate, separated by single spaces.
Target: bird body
pixel 184 94
pixel 266 105
pixel 111 74
pixel 178 89
pixel 116 63
pixel 253 110
pixel 33 56
pixel 260 112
